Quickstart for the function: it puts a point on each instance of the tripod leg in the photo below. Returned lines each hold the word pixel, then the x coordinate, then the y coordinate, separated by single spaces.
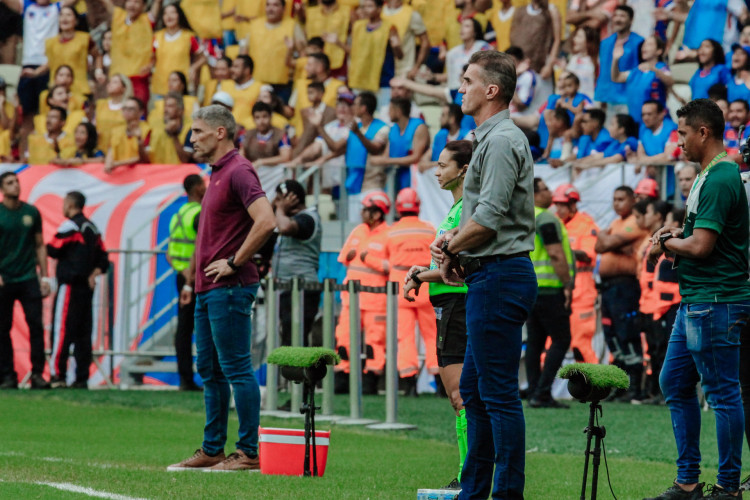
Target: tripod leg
pixel 597 456
pixel 589 434
pixel 312 425
pixel 307 433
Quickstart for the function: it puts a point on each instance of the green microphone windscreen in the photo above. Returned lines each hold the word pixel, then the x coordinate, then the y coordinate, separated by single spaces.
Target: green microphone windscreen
pixel 303 357
pixel 601 376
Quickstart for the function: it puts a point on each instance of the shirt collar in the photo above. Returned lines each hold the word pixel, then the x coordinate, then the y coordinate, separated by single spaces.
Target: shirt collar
pixel 224 160
pixel 481 131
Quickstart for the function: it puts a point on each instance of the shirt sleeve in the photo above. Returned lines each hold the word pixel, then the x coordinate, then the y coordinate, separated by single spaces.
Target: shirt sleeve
pixel 549 233
pixel 381 135
pixel 284 142
pixel 246 185
pixel 496 183
pixel 37 221
pixel 416 24
pixel 305 226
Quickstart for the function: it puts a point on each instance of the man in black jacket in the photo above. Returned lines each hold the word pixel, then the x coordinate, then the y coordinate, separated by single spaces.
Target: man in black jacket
pixel 81 257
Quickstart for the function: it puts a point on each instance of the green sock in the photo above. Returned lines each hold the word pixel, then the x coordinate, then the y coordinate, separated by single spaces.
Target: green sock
pixel 462 442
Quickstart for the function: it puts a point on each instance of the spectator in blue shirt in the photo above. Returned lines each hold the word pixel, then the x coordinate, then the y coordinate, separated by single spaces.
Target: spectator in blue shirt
pixel 607 91
pixel 450 130
pixel 569 99
pixel 624 132
pixel 711 69
pixel 652 145
pixel 558 145
pixel 647 81
pixel 737 83
pixel 714 19
pixel 595 137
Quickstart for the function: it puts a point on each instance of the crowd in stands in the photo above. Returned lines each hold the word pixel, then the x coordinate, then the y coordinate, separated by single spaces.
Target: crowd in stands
pixel 333 82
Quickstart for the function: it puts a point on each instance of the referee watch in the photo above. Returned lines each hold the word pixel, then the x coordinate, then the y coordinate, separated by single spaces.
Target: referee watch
pixel 663 239
pixel 444 249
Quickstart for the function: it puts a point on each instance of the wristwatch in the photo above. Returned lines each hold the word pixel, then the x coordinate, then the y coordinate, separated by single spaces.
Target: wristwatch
pixel 447 252
pixel 415 278
pixel 231 264
pixel 663 239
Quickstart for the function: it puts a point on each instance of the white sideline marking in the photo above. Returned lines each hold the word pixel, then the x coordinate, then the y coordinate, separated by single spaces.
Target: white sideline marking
pixel 87 491
pixel 97 465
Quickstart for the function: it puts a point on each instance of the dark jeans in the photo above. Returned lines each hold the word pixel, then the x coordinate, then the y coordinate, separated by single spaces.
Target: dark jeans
pixel 183 339
pixel 29 90
pixel 30 296
pixel 72 324
pixel 222 339
pixel 549 318
pixel 621 326
pixel 311 301
pixel 745 376
pixel 498 302
pixel 705 347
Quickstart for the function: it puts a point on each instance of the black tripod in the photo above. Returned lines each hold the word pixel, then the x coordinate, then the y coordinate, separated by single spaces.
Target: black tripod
pixel 598 432
pixel 308 408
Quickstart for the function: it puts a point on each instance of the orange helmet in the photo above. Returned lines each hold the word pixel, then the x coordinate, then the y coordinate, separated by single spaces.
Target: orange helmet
pixel 377 199
pixel 648 187
pixel 565 193
pixel 407 201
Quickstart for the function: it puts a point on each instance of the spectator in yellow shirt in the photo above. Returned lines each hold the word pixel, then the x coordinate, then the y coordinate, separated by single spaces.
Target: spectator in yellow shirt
pixel 177 82
pixel 169 141
pixel 132 34
pixel 54 143
pixel 128 143
pixel 7 120
pixel 176 48
pixel 221 71
pixel 64 76
pixel 109 111
pixel 243 87
pixel 58 96
pixel 87 149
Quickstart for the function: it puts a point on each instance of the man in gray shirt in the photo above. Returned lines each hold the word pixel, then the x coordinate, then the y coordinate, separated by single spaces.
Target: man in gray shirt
pixel 490 251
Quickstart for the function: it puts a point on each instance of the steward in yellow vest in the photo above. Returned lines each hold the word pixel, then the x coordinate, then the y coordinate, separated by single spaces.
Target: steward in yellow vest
pixel 555 271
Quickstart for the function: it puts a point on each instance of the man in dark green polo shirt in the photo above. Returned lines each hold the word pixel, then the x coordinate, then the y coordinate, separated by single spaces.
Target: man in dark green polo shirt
pixel 711 257
pixel 21 250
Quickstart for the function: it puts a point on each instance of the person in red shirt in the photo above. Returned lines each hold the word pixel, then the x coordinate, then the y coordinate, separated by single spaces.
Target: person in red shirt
pixel 236 220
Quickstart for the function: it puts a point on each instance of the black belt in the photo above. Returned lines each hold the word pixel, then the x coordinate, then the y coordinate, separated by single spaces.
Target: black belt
pixel 616 280
pixel 474 264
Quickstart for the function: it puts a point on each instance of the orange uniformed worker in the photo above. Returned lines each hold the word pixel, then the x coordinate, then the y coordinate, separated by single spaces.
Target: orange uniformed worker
pixel 582 231
pixel 408 244
pixel 363 254
pixel 646 189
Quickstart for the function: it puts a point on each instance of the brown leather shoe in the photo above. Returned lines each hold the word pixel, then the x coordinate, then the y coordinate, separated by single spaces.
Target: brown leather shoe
pixel 199 461
pixel 237 461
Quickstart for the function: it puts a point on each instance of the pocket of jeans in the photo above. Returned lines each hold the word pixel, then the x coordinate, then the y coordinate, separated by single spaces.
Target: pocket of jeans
pixel 738 317
pixel 239 301
pixel 698 325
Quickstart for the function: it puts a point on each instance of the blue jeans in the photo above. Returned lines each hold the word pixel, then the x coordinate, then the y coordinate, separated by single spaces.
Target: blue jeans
pixel 705 347
pixel 500 297
pixel 222 340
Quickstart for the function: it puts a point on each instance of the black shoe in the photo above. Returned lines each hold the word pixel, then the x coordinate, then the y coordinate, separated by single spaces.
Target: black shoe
pixel 191 386
pixel 745 484
pixel 370 383
pixel 58 383
pixel 716 492
pixel 637 398
pixel 547 403
pixel 453 485
pixel 79 384
pixel 9 383
pixel 408 385
pixel 38 382
pixel 340 383
pixel 677 493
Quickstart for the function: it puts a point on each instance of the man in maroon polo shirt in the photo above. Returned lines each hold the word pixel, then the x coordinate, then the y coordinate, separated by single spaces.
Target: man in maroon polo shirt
pixel 236 220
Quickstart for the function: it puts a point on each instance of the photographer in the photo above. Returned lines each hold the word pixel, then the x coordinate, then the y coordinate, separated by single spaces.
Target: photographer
pixel 297 253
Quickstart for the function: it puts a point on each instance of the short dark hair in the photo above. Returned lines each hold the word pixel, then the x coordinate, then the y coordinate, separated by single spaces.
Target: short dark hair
pixel 572 76
pixel 537 182
pixel 369 101
pixel 515 51
pixel 743 102
pixel 659 105
pixel 499 69
pixel 379 3
pixel 226 59
pixel 563 116
pixel 247 61
pixel 659 207
pixel 63 113
pixel 403 104
pixel 628 123
pixel 626 9
pixel 455 112
pixel 317 41
pixel 678 214
pixel 461 151
pixel 292 186
pixel 597 115
pixel 78 199
pixel 7 174
pixel 627 190
pixel 191 181
pixel 706 113
pixel 718 91
pixel 140 104
pixel 640 207
pixel 323 59
pixel 317 86
pixel 177 97
pixel 262 107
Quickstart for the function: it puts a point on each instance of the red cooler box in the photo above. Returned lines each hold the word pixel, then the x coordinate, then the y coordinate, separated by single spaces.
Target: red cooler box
pixel 282 451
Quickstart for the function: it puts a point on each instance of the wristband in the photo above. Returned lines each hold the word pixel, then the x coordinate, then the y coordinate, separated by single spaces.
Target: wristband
pixel 187 288
pixel 447 252
pixel 415 278
pixel 663 239
pixel 232 265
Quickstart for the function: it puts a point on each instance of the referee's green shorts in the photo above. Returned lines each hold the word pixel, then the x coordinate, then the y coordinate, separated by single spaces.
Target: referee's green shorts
pixel 450 312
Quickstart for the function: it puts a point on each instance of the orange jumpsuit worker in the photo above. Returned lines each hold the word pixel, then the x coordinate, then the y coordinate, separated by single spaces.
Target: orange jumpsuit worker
pixel 582 231
pixel 363 254
pixel 408 245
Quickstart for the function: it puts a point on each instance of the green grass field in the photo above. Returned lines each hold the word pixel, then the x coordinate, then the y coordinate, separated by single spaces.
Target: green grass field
pixel 118 443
